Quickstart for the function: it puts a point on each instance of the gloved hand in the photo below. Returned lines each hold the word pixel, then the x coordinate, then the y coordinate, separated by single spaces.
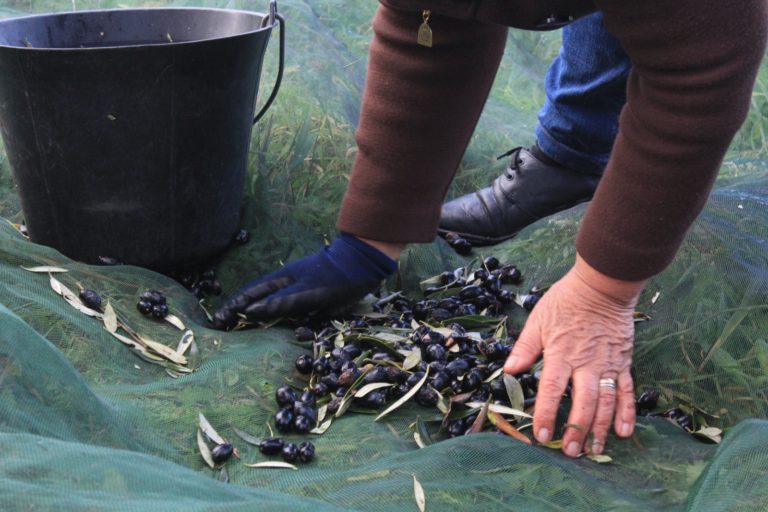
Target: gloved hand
pixel 337 275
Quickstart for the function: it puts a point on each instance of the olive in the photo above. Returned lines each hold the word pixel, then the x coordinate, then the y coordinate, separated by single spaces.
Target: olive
pixel 472 380
pixel 321 366
pixel 374 400
pixel 353 351
pixel 481 274
pixel 440 380
pixel 495 365
pixel 271 446
pixel 221 452
pixel 529 383
pixel 285 396
pixel 302 424
pixel 459 244
pixel 348 377
pixel 686 422
pixel 331 380
pixel 648 400
pixel 304 364
pixel 153 296
pixel 290 452
pixel 144 307
pixel 481 394
pixel 440 315
pixel 414 378
pixel 395 375
pixel 284 420
pixel 529 302
pixel 242 237
pixel 491 263
pixel 510 274
pixel 437 366
pixel 433 337
pixel 320 389
pixel 427 397
pixel 90 298
pixel 457 367
pixel 306 451
pixel 341 392
pixel 348 365
pixel 506 296
pixel 302 409
pixel 309 398
pixel 434 352
pixel 333 405
pixel 498 389
pixel 358 324
pixel 456 428
pixel 304 333
pixel 160 311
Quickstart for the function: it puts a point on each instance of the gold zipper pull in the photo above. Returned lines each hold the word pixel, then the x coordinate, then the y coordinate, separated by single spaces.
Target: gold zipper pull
pixel 425 33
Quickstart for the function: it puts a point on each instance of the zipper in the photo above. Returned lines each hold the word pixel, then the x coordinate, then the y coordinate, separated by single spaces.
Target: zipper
pixel 424 37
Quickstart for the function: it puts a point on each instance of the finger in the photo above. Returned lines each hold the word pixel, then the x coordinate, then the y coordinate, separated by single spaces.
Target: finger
pixel 583 407
pixel 526 350
pixel 606 406
pixel 227 315
pixel 554 379
pixel 625 405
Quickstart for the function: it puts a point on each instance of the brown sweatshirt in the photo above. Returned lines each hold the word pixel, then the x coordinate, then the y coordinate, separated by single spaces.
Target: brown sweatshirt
pixel 694 66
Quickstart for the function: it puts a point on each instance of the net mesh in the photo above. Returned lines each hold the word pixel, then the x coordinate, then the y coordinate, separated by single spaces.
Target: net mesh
pixel 86 425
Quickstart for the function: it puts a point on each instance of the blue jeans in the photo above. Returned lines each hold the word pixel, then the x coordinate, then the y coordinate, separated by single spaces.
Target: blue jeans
pixel 586 89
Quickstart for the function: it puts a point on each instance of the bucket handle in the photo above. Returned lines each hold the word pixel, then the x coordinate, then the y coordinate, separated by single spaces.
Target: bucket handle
pixel 281 59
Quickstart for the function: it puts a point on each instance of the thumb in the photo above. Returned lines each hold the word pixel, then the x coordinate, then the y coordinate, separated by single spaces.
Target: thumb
pixel 526 350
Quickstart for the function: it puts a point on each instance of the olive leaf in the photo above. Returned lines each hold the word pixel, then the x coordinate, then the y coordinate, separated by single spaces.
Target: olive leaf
pixel 494 375
pixel 248 438
pixel 186 340
pixel 514 393
pixel 164 351
pixel 600 459
pixel 208 430
pixel 224 475
pixel 45 269
pixel 501 409
pixel 371 387
pixel 204 450
pixel 422 432
pixel 714 434
pixel 405 397
pixel 194 359
pixel 417 438
pixel 418 493
pixel 555 444
pixel 477 425
pixel 320 429
pixel 284 465
pixel 175 321
pixel 412 359
pixel 110 318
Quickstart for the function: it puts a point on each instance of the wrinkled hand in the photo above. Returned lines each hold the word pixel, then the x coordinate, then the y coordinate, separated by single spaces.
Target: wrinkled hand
pixel 584 327
pixel 338 275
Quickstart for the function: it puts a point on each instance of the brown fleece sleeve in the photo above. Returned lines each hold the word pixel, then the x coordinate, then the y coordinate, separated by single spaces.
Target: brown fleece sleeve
pixel 419 109
pixel 694 66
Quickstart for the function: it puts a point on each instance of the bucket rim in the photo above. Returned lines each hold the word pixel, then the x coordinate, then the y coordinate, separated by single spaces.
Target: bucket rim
pixel 266 26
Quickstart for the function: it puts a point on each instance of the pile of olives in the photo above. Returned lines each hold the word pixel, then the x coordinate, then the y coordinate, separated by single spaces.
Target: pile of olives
pixel 200 283
pixel 304 452
pixel 152 302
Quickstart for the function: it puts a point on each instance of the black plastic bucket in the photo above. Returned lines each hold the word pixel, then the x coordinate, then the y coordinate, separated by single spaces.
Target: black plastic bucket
pixel 128 130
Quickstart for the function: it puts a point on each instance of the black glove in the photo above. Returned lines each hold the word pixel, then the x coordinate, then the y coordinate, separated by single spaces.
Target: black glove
pixel 338 275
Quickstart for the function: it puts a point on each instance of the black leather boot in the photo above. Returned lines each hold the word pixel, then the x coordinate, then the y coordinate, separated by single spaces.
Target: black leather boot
pixel 528 190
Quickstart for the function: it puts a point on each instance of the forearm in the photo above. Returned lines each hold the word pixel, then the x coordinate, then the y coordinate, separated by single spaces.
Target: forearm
pixel 690 89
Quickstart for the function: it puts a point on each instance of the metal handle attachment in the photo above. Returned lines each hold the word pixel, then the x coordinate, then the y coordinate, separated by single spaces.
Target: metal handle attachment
pixel 281 59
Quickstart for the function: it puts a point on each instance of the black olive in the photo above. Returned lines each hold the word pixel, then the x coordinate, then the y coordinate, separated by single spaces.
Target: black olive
pixel 160 311
pixel 498 389
pixel 456 428
pixel 302 409
pixel 686 422
pixel 481 394
pixel 506 296
pixel 242 237
pixel 491 263
pixel 510 274
pixel 376 374
pixel 331 381
pixel 321 366
pixel 302 424
pixel 459 244
pixel 481 274
pixel 395 375
pixel 472 380
pixel 304 364
pixel 440 380
pixel 434 352
pixel 284 420
pixel 414 378
pixel 440 315
pixel 353 351
pixel 90 298
pixel 144 306
pixel 271 446
pixel 153 296
pixel 341 392
pixel 648 400
pixel 495 365
pixel 529 384
pixel 309 398
pixel 290 452
pixel 333 405
pixel 433 337
pixel 320 389
pixel 457 367
pixel 221 452
pixel 427 397
pixel 306 451
pixel 285 396
pixel 348 377
pixel 400 390
pixel 304 334
pixel 529 302
pixel 358 324
pixel 373 400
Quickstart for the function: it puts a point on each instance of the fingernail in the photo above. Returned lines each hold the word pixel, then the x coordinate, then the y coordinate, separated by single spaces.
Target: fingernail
pixel 597 448
pixel 625 429
pixel 544 435
pixel 511 363
pixel 573 449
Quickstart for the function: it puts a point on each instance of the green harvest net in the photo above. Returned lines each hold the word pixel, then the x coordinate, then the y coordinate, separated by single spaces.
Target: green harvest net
pixel 86 425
